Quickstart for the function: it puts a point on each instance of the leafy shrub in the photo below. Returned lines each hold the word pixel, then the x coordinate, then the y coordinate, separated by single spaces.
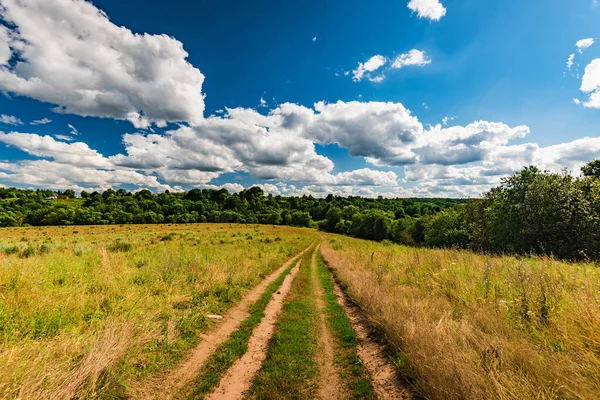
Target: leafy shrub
pixel 120 246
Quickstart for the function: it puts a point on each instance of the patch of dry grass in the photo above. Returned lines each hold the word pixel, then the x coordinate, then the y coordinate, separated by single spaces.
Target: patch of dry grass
pixel 475 327
pixel 84 310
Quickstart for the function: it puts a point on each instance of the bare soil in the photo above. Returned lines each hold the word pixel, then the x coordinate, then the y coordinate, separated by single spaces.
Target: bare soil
pixel 329 385
pixel 238 379
pixel 168 386
pixel 384 375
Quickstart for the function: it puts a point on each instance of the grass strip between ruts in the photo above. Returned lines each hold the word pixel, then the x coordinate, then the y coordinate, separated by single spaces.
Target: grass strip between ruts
pixel 236 346
pixel 290 369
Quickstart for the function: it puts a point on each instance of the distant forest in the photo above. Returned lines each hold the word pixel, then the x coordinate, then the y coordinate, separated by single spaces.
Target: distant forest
pixel 531 212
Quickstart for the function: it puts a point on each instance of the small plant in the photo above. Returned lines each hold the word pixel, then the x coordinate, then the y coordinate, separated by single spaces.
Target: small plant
pixel 44 248
pixel 10 250
pixel 27 252
pixel 120 246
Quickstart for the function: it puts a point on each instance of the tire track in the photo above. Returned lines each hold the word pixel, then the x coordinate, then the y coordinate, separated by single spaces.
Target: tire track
pixel 238 379
pixel 168 386
pixel 384 375
pixel 329 384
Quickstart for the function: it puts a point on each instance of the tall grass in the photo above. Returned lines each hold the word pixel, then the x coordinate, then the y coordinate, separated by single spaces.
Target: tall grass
pixel 85 310
pixel 468 326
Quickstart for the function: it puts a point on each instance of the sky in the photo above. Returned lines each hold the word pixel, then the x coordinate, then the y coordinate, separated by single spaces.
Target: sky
pixel 403 98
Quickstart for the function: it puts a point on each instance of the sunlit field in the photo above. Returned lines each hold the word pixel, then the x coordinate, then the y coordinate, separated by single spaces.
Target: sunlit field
pixel 85 310
pixel 467 326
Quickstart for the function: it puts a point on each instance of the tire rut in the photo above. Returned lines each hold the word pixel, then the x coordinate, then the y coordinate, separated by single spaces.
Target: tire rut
pixel 384 375
pixel 171 384
pixel 329 383
pixel 238 379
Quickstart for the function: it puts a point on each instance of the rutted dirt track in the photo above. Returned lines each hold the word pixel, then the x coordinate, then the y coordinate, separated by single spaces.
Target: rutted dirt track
pixel 384 375
pixel 238 378
pixel 166 387
pixel 330 386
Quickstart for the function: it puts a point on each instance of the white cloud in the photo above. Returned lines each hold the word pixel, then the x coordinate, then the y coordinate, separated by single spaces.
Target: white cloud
pixel 371 65
pixel 431 9
pixel 577 101
pixel 377 79
pixel 447 119
pixel 52 175
pixel 570 61
pixel 230 187
pixel 584 44
pixel 263 102
pixel 76 154
pixel 71 55
pixel 74 130
pixel 64 138
pixel 10 120
pixel 314 39
pixel 590 84
pixel 42 121
pixel 413 58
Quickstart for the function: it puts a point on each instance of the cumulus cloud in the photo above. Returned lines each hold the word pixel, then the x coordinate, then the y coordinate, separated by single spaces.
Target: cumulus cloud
pixel 431 9
pixel 371 65
pixel 76 154
pixel 230 187
pixel 52 175
pixel 68 53
pixel 10 120
pixel 590 84
pixel 584 44
pixel 413 58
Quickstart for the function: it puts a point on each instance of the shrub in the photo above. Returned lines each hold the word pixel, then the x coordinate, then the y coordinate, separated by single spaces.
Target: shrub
pixel 120 246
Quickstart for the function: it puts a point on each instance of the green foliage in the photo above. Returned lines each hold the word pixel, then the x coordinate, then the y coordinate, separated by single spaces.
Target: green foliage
pixel 530 212
pixel 120 246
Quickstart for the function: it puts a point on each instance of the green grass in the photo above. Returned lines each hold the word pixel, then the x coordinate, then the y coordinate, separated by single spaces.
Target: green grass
pixel 290 370
pixel 237 345
pixel 352 371
pixel 72 295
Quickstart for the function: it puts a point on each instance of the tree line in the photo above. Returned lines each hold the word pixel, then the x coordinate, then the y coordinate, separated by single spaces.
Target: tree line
pixel 531 212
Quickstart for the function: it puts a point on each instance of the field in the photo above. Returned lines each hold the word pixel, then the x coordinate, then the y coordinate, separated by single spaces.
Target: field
pixel 466 326
pixel 252 311
pixel 81 304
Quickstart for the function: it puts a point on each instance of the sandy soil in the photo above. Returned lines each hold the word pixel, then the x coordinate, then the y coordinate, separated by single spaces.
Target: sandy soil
pixel 384 375
pixel 168 386
pixel 330 386
pixel 238 378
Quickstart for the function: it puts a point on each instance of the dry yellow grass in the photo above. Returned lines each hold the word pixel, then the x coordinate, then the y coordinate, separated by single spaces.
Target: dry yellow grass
pixel 85 310
pixel 477 327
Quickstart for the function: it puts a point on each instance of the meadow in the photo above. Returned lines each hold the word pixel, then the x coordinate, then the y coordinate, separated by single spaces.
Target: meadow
pixel 462 325
pixel 110 312
pixel 87 310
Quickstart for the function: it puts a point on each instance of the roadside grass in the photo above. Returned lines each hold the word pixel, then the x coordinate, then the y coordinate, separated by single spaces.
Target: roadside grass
pixel 290 370
pixel 471 326
pixel 236 346
pixel 85 310
pixel 352 371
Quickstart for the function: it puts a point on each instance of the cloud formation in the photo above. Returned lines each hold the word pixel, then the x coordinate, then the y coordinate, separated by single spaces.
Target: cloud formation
pixel 584 44
pixel 10 120
pixel 371 65
pixel 68 53
pixel 431 9
pixel 590 84
pixel 413 58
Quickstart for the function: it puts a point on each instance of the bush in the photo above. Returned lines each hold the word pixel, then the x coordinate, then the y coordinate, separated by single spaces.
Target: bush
pixel 120 246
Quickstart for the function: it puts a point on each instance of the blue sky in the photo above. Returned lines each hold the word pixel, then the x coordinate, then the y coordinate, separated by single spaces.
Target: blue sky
pixel 393 98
